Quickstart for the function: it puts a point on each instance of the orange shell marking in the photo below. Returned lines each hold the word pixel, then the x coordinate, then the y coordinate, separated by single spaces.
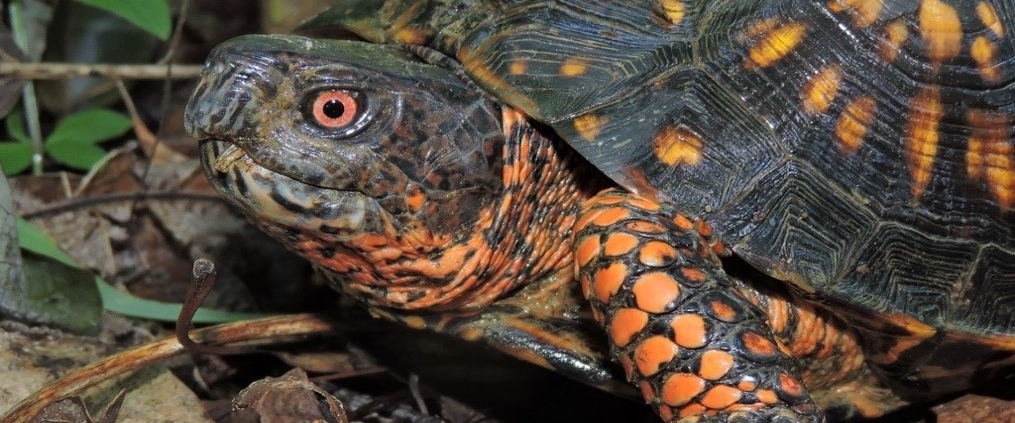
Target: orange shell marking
pixel 896 34
pixel 819 91
pixel 853 122
pixel 941 30
pixel 983 52
pixel 776 44
pixel 573 67
pixel 989 155
pixel 988 16
pixel 671 10
pixel 925 112
pixel 589 126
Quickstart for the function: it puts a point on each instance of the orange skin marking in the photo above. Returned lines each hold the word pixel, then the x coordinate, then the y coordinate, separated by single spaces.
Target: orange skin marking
pixel 820 90
pixel 666 413
pixel 611 216
pixel 925 112
pixel 689 331
pixel 721 396
pixel 864 12
pixel 607 281
pixel 683 223
pixel 776 44
pixel 790 385
pixel 656 254
pixel 415 199
pixel 518 67
pixel 671 10
pixel 693 275
pixel 680 388
pixel 715 364
pixel 989 156
pixel 747 384
pixel 677 146
pixel 852 126
pixel 588 248
pixel 896 34
pixel 589 126
pixel 655 292
pixel 758 345
pixel 654 353
pixel 723 311
pixel 941 30
pixel 703 228
pixel 983 53
pixel 626 324
pixel 767 396
pixel 985 11
pixel 573 67
pixel 619 243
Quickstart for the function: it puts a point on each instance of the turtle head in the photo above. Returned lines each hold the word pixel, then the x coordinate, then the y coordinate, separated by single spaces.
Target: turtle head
pixel 340 138
pixel 406 184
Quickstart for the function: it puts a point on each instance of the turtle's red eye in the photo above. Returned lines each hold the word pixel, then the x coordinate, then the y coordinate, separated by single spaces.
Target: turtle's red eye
pixel 334 109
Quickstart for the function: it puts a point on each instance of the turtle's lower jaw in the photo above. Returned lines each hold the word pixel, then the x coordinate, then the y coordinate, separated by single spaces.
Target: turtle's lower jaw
pixel 274 200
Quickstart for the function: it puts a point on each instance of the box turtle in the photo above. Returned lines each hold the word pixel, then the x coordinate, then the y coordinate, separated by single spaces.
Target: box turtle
pixel 779 210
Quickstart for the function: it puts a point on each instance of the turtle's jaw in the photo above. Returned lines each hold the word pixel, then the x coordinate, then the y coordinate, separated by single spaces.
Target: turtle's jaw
pixel 281 204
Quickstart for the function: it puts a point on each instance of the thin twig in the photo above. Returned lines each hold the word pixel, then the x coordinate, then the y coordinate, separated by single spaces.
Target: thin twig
pixel 50 70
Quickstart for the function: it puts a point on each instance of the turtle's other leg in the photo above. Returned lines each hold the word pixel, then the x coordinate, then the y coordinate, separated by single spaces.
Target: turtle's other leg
pixel 695 347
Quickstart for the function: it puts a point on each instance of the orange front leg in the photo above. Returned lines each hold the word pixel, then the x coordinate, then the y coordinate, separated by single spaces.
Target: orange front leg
pixel 694 346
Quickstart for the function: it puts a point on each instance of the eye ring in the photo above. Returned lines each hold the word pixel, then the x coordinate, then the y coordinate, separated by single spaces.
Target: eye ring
pixel 334 109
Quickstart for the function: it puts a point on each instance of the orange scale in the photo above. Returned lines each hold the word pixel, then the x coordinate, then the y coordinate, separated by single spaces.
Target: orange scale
pixel 586 286
pixel 655 292
pixel 647 392
pixel 683 222
pixel 791 385
pixel 608 280
pixel 693 275
pixel 747 384
pixel 767 396
pixel 619 243
pixel 681 388
pixel 721 396
pixel 653 353
pixel 666 413
pixel 657 254
pixel 715 364
pixel 611 216
pixel 704 229
pixel 758 345
pixel 626 324
pixel 689 331
pixel 644 204
pixel 692 409
pixel 588 248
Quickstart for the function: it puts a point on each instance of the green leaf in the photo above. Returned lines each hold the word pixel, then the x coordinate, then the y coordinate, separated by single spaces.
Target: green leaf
pixel 126 304
pixel 33 239
pixel 150 15
pixel 15 156
pixel 73 141
pixel 15 124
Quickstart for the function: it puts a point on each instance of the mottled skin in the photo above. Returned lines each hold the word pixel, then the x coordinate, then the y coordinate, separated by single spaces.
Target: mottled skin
pixel 438 206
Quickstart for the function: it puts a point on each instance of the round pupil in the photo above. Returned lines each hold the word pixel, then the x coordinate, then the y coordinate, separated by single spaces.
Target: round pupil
pixel 334 109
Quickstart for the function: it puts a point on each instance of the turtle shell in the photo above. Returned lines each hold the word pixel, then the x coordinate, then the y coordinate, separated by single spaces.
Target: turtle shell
pixel 861 150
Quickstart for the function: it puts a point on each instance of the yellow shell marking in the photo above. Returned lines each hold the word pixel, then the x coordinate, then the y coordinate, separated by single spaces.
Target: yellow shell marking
pixel 941 30
pixel 864 12
pixel 989 157
pixel 588 126
pixel 776 44
pixel 677 146
pixel 671 10
pixel 925 112
pixel 573 67
pixel 819 91
pixel 853 123
pixel 983 52
pixel 989 18
pixel 896 35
